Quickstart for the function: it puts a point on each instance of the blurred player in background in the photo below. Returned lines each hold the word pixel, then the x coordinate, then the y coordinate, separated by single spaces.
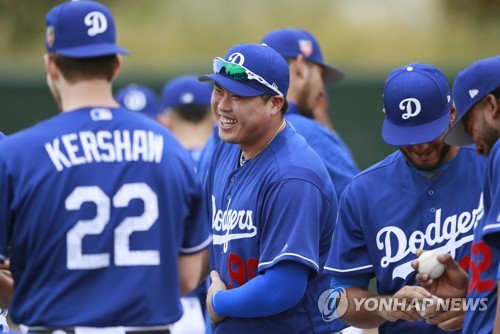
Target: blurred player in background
pixel 476 94
pixel 271 202
pixel 99 205
pixel 186 112
pixel 139 98
pixel 426 195
pixel 308 76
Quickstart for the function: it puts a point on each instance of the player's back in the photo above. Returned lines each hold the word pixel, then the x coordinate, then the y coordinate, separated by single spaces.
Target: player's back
pixel 97 201
pixel 331 149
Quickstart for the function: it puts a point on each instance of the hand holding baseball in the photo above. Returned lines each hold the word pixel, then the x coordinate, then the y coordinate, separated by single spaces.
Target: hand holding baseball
pixel 429 264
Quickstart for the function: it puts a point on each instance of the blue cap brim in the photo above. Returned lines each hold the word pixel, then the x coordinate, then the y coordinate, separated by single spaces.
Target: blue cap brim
pixel 94 50
pixel 332 75
pixel 397 135
pixel 458 136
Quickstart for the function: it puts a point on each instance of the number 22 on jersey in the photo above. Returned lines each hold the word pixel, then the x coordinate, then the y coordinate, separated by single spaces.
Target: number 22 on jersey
pixel 123 256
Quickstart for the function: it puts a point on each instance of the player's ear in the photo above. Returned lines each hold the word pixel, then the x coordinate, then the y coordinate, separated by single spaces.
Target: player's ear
pixel 492 106
pixel 277 103
pixel 51 67
pixel 118 65
pixel 453 113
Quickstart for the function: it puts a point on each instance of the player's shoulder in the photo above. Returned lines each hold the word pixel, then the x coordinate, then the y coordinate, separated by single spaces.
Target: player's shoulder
pixel 391 163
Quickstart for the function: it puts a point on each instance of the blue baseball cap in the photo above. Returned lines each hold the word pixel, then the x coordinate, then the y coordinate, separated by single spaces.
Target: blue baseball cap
pixel 417 105
pixel 186 90
pixel 139 98
pixel 291 42
pixel 262 61
pixel 81 29
pixel 470 87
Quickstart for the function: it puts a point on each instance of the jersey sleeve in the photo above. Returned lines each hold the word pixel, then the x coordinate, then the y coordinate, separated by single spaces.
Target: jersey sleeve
pixel 491 198
pixel 196 234
pixel 4 211
pixel 348 252
pixel 293 214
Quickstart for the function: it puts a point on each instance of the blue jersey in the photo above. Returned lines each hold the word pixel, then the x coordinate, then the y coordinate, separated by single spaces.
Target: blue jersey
pixel 330 148
pixel 485 256
pixel 278 206
pixel 390 210
pixel 97 204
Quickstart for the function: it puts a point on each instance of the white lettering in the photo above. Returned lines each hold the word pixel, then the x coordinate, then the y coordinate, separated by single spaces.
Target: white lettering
pixel 235 224
pixel 456 230
pixel 89 147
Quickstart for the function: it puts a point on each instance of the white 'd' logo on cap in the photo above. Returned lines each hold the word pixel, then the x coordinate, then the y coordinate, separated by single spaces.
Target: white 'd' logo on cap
pixel 97 23
pixel 412 107
pixel 237 58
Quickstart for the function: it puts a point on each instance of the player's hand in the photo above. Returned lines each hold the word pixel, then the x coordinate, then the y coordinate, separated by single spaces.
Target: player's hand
pixel 217 285
pixel 405 300
pixel 446 320
pixel 452 284
pixel 6 286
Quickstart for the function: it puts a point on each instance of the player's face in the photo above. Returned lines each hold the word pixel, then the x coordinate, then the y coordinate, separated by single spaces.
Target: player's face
pixel 427 156
pixel 312 90
pixel 482 132
pixel 245 121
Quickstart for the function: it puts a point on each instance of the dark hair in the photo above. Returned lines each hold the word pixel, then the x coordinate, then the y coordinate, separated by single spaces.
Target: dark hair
pixel 496 92
pixel 267 97
pixel 193 113
pixel 76 69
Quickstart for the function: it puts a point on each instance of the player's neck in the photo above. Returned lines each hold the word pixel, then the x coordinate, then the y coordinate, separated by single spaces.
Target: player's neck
pixel 251 151
pixel 87 94
pixel 192 135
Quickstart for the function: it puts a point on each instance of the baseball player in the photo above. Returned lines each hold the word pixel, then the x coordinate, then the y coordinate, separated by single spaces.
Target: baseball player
pixel 426 195
pixel 476 94
pixel 308 75
pixel 271 203
pixel 186 112
pixel 139 98
pixel 100 204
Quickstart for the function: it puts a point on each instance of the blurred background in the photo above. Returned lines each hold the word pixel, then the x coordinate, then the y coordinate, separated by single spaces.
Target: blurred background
pixel 364 38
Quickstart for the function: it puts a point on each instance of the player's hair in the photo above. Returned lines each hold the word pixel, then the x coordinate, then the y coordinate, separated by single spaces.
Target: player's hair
pixel 496 92
pixel 77 69
pixel 267 97
pixel 193 113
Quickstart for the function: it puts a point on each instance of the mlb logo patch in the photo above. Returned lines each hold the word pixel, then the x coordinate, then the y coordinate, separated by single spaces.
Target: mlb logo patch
pixel 306 47
pixel 101 114
pixel 50 36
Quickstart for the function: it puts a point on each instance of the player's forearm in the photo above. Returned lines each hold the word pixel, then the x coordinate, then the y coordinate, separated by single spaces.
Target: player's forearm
pixel 357 315
pixel 191 271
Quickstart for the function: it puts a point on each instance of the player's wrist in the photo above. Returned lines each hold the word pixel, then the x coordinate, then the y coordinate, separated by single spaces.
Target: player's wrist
pixel 213 302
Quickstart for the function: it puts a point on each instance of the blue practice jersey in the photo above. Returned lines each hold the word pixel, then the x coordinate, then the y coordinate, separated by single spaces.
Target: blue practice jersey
pixel 331 149
pixel 97 204
pixel 278 206
pixel 390 210
pixel 484 265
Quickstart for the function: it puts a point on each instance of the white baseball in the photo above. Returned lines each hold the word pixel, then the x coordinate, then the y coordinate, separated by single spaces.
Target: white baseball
pixel 428 264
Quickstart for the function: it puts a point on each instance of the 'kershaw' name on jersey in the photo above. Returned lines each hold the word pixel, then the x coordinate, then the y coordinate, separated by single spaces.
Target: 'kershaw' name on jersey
pixel 398 245
pixel 104 146
pixel 235 224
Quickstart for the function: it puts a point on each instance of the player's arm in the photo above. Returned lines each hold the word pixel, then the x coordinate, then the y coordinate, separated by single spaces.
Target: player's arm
pixel 357 291
pixel 193 269
pixel 276 290
pixel 6 285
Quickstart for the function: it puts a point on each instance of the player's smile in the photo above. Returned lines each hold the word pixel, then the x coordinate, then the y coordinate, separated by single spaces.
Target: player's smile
pixel 227 122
